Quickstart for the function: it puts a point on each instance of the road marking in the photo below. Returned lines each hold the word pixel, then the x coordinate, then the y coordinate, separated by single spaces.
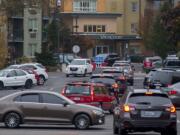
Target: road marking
pixel 139 78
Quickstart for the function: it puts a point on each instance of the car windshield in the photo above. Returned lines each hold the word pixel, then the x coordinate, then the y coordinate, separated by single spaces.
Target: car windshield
pixel 3 73
pixel 154 99
pixel 105 80
pixel 78 89
pixel 78 62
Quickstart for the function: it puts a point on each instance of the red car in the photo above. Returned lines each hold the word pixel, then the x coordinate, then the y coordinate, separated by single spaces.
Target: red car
pixel 94 94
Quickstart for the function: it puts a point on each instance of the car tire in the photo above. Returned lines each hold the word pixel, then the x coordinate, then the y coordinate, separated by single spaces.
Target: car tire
pixel 82 122
pixel 1 85
pixel 28 84
pixel 122 132
pixel 85 72
pixel 67 75
pixel 169 132
pixel 12 120
pixel 41 80
pixel 115 129
pixel 111 111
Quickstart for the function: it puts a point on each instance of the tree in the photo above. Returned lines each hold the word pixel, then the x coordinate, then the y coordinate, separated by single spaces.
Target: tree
pixel 157 38
pixel 171 22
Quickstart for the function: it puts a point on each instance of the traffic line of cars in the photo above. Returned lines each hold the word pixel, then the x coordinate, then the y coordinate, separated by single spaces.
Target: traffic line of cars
pixel 83 103
pixel 26 75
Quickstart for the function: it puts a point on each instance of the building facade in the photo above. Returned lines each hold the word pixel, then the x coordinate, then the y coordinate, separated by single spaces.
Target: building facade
pixel 25 30
pixel 90 18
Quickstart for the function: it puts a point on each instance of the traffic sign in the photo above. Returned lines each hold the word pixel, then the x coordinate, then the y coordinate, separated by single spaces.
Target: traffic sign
pixel 76 49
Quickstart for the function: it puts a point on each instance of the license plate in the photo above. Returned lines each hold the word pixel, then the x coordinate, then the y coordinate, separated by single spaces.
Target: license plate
pixel 150 114
pixel 77 98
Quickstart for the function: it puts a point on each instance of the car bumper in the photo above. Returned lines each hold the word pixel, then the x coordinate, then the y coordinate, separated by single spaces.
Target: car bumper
pixel 78 72
pixel 148 124
pixel 98 120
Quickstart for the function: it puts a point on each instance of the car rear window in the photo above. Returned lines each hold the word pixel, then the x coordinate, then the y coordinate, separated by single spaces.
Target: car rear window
pixel 173 63
pixel 153 99
pixel 78 89
pixel 41 66
pixel 105 80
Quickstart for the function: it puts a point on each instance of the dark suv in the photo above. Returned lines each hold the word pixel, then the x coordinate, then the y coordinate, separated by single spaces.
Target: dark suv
pixel 144 110
pixel 161 77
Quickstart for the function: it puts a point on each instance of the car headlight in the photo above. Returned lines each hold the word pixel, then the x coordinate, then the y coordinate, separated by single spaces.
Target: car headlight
pixel 97 112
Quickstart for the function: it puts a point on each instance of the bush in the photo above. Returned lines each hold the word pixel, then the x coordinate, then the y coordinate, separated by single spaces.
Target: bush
pixel 46 59
pixel 137 58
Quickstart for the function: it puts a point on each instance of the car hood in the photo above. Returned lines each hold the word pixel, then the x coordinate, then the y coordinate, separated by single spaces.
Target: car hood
pixel 89 107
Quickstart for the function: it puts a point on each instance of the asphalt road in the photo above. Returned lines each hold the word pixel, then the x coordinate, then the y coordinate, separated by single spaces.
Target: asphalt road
pixel 55 83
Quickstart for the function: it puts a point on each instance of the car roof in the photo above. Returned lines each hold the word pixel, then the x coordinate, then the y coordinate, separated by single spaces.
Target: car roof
pixel 85 83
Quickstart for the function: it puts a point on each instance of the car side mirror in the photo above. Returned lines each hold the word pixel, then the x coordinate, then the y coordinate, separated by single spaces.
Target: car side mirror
pixel 65 104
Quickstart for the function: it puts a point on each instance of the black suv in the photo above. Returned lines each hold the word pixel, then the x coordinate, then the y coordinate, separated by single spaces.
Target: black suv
pixel 144 110
pixel 162 77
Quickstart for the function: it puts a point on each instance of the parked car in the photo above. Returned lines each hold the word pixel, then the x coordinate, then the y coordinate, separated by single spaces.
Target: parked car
pixel 90 93
pixel 172 63
pixel 45 107
pixel 106 79
pixel 128 71
pixel 15 78
pixel 79 67
pixel 161 77
pixel 150 62
pixel 107 59
pixel 174 93
pixel 36 67
pixel 142 110
pixel 119 78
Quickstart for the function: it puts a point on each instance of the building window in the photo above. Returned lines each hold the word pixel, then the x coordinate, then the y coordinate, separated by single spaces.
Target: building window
pixel 33 25
pixel 134 6
pixel 32 49
pixel 134 27
pixel 95 28
pixel 84 6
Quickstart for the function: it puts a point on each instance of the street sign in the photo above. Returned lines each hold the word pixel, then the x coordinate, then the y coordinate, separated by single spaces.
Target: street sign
pixel 76 49
pixel 99 60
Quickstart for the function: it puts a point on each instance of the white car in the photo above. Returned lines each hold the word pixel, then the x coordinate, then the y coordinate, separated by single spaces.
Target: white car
pixel 16 77
pixel 37 67
pixel 79 67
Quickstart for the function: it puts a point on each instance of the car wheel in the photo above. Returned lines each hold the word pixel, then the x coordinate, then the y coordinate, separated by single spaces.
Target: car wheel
pixel 122 132
pixel 12 120
pixel 41 80
pixel 115 129
pixel 67 75
pixel 82 122
pixel 28 84
pixel 169 132
pixel 85 72
pixel 1 86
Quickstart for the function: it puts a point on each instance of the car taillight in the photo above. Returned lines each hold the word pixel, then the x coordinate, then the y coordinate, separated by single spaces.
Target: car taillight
pixel 63 91
pixel 172 92
pixel 171 109
pixel 92 95
pixel 128 108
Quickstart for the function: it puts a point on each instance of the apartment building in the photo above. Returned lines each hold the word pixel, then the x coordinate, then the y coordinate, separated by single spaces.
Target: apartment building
pixel 25 30
pixel 90 18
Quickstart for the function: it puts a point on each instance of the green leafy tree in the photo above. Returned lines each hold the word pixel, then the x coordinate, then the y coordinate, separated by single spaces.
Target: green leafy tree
pixel 157 37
